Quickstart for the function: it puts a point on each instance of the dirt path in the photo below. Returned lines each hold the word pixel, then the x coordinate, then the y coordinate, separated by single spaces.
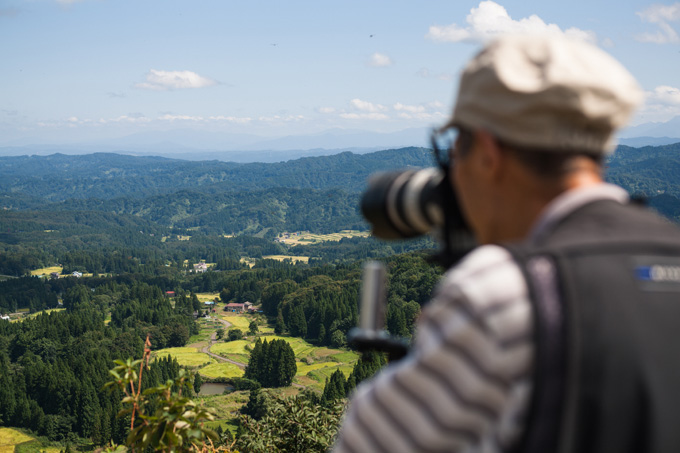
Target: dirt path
pixel 213 338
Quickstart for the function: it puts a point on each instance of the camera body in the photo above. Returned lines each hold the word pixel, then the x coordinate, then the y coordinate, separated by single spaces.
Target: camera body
pixel 409 203
pixel 401 205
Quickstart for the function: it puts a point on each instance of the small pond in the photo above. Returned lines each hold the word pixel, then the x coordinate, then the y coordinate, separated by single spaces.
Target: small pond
pixel 210 388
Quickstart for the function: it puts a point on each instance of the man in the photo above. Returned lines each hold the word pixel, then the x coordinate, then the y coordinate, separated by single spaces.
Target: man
pixel 556 333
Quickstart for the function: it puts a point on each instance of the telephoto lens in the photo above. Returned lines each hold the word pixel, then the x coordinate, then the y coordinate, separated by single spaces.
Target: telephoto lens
pixel 405 204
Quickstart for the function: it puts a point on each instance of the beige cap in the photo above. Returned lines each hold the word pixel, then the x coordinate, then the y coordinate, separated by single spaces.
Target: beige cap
pixel 546 92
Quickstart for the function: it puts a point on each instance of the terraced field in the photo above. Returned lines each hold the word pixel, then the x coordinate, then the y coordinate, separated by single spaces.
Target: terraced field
pixel 309 238
pixel 300 347
pixel 47 270
pixel 225 370
pixel 240 322
pixel 207 297
pixel 10 438
pixel 186 356
pixel 304 259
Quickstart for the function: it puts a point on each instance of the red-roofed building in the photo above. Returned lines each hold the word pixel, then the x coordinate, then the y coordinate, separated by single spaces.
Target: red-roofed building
pixel 236 308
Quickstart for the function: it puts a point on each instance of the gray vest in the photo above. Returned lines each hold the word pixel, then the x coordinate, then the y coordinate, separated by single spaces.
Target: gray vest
pixel 605 289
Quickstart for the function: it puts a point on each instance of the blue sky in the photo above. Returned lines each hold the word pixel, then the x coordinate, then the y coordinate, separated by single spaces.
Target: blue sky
pixel 95 69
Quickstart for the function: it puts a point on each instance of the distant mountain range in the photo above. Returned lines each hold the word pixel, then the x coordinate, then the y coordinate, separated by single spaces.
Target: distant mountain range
pixel 315 193
pixel 197 145
pixel 60 177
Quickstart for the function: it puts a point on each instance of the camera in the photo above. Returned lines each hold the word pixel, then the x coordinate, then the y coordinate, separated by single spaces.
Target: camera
pixel 401 205
pixel 409 203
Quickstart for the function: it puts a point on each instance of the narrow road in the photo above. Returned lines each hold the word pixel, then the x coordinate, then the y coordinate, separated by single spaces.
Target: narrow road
pixel 213 338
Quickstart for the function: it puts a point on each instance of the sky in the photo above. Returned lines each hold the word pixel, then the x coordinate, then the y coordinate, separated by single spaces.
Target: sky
pixel 79 70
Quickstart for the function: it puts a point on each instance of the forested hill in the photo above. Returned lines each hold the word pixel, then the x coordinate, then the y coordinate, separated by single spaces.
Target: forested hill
pixel 105 176
pixel 651 170
pixel 320 194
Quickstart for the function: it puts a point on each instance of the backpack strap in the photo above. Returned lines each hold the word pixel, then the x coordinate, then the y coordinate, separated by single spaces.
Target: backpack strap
pixel 549 380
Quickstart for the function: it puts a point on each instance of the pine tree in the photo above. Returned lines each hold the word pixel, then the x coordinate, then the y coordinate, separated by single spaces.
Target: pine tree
pixel 334 388
pixel 280 326
pixel 253 371
pixel 369 363
pixel 198 382
pixel 322 335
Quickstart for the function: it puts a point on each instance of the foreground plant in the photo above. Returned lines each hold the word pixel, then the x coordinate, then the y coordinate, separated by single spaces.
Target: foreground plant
pixel 293 424
pixel 177 424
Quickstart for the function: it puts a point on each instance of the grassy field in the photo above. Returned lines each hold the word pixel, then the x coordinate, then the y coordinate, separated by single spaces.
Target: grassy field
pixel 47 312
pixel 215 370
pixel 265 329
pixel 25 314
pixel 186 356
pixel 230 347
pixel 309 238
pixel 317 378
pixel 47 270
pixel 239 322
pixel 300 347
pixel 10 437
pixel 303 368
pixel 249 261
pixel 225 406
pixel 304 259
pixel 207 297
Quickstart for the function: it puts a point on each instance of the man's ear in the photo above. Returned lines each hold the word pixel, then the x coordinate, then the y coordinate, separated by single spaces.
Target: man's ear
pixel 490 154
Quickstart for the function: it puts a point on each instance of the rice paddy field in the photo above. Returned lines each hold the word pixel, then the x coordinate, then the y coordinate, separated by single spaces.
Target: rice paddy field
pixel 25 314
pixel 47 270
pixel 300 347
pixel 224 369
pixel 186 356
pixel 207 297
pixel 309 238
pixel 10 438
pixel 239 322
pixel 314 364
pixel 304 259
pixel 230 347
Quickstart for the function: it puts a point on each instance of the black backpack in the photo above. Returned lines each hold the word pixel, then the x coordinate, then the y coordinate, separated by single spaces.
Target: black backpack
pixel 605 289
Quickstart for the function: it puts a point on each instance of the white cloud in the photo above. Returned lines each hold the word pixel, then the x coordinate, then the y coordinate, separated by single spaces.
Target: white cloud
pixel 661 104
pixel 409 108
pixel 281 118
pixel 665 95
pixel 326 110
pixel 380 60
pixel 364 116
pixel 231 119
pixel 174 80
pixel 366 106
pixel 171 117
pixel 430 111
pixel 131 118
pixel 660 15
pixel 490 19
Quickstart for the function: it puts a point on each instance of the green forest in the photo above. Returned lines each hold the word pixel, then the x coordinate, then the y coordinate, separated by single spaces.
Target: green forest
pixel 106 260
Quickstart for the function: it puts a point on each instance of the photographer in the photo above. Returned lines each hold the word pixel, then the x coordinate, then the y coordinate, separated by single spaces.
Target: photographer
pixel 557 332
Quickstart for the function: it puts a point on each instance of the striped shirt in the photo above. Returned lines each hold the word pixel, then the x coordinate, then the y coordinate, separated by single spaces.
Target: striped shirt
pixel 466 384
